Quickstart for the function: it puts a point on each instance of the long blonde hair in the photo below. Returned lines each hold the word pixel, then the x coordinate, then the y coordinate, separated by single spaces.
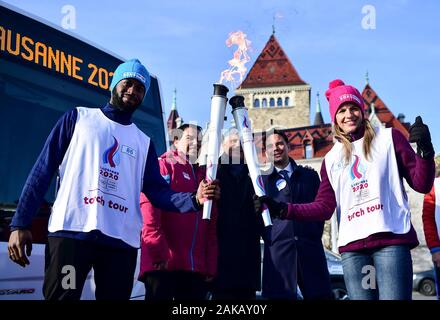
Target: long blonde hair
pixel 345 139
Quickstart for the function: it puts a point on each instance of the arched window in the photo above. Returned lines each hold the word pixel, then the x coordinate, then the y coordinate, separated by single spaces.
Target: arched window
pixel 272 102
pixel 264 103
pixel 286 101
pixel 279 102
pixel 308 151
pixel 256 103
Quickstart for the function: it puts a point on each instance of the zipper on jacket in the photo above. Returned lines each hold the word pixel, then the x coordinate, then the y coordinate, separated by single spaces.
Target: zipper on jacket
pixel 191 255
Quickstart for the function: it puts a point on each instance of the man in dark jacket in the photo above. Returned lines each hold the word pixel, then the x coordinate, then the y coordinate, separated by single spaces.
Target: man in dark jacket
pixel 238 230
pixel 293 250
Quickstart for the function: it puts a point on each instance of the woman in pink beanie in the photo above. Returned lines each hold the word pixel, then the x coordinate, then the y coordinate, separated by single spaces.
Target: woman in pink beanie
pixel 362 178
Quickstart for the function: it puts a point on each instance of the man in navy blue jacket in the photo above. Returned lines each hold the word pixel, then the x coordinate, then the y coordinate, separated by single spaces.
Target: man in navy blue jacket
pixel 104 161
pixel 293 250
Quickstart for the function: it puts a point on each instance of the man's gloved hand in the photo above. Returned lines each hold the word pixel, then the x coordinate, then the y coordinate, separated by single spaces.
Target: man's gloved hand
pixel 276 209
pixel 258 205
pixel 419 133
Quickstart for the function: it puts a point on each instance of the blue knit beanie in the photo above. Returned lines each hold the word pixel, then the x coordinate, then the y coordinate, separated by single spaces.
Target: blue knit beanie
pixel 131 69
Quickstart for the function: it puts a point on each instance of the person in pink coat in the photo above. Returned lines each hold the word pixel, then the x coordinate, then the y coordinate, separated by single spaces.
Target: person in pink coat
pixel 431 221
pixel 178 251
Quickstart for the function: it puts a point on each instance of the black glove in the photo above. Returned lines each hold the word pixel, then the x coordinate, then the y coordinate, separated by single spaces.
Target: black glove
pixel 419 133
pixel 258 205
pixel 276 209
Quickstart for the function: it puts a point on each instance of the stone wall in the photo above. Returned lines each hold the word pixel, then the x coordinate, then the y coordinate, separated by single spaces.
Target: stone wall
pixel 295 114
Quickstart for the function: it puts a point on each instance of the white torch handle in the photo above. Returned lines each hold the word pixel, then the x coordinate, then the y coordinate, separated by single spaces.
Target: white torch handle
pixel 244 128
pixel 218 108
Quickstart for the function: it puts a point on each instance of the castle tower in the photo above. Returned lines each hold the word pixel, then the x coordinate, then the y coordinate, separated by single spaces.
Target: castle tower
pixel 318 115
pixel 174 120
pixel 274 93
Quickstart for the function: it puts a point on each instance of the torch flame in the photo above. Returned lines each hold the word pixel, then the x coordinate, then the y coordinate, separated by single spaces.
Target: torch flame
pixel 237 63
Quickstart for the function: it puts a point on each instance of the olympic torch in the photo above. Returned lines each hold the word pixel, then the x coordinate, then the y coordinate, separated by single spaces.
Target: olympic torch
pixel 243 124
pixel 218 109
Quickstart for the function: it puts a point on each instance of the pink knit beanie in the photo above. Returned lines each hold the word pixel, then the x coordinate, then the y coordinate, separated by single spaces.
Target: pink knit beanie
pixel 338 93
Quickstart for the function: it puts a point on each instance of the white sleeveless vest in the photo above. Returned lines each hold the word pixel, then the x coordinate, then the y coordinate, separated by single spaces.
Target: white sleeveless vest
pixel 370 195
pixel 437 203
pixel 101 178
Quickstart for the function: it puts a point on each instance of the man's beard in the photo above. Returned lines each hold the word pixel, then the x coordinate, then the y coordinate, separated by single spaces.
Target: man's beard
pixel 280 162
pixel 118 103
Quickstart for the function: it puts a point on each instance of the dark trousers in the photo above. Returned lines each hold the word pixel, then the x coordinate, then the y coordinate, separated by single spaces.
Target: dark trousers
pixel 313 276
pixel 177 285
pixel 68 262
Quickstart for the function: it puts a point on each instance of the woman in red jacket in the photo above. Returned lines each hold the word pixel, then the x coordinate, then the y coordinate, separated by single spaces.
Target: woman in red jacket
pixel 178 251
pixel 431 221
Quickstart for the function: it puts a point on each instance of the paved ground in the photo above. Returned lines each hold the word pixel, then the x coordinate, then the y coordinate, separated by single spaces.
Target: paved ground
pixel 418 296
pixel 422 259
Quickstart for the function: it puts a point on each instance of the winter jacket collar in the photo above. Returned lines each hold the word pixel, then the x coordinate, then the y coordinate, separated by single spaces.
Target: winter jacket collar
pixel 176 156
pixel 296 170
pixel 116 115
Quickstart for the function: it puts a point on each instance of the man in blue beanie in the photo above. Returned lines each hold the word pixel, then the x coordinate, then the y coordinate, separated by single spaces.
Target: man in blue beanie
pixel 133 73
pixel 104 163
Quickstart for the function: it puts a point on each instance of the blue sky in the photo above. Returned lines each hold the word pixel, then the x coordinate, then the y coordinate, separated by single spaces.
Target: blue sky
pixel 183 43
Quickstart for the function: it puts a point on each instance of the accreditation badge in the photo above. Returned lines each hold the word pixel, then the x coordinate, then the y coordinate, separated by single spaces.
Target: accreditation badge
pixel 281 184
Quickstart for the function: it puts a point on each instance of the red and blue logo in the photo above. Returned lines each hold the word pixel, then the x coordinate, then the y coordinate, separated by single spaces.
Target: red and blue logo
pixel 356 169
pixel 259 183
pixel 245 124
pixel 111 155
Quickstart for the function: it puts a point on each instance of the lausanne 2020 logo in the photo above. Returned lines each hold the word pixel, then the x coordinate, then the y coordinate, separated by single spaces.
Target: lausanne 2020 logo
pixel 111 155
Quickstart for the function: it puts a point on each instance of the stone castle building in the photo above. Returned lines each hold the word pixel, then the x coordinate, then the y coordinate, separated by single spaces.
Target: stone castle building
pixel 274 93
pixel 277 97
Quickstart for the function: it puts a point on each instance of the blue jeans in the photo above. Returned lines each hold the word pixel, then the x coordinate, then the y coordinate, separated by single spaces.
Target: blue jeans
pixel 381 273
